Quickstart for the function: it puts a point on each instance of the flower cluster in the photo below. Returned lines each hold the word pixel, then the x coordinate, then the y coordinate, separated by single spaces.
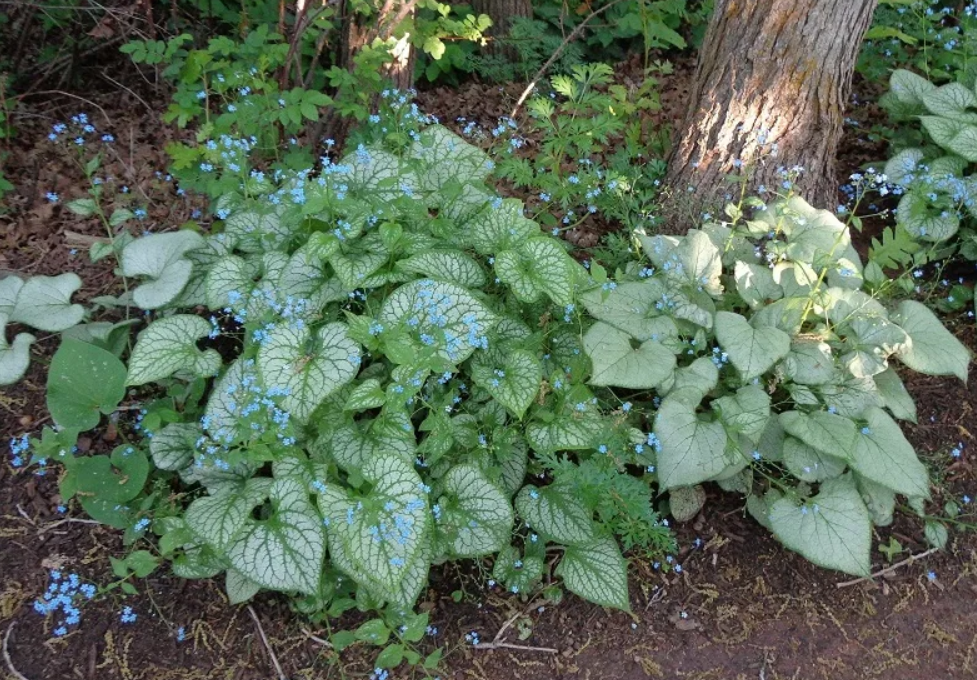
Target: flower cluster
pixel 63 594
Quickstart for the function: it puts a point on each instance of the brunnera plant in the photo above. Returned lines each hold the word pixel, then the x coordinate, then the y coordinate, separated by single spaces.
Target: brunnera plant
pixel 388 352
pixel 769 362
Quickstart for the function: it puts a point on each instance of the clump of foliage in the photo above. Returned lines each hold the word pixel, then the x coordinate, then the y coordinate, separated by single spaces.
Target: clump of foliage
pixel 590 160
pixel 930 36
pixel 765 358
pixel 654 24
pixel 388 352
pixel 939 199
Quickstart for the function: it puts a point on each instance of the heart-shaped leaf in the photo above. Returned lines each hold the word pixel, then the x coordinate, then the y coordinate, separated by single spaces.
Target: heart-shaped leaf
pixel 475 516
pixel 168 346
pixel 44 302
pixel 161 258
pixel 752 351
pixel 84 382
pixel 832 529
pixel 308 366
pixel 597 572
pixel 616 363
pixel 285 551
pixel 513 378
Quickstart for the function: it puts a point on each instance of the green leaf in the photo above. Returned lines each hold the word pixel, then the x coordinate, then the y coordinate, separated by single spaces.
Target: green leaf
pixel 517 574
pixel 699 262
pixel 752 351
pixel 597 572
pixel 616 363
pixel 831 434
pixel 908 87
pixel 141 563
pixel 173 447
pixel 111 479
pixel 229 274
pixel 476 517
pixel 745 412
pixel 365 396
pixel 450 314
pixel 537 266
pixel 379 535
pixel 308 366
pixel 895 395
pixel 161 258
pixel 936 534
pixel 934 350
pixel 452 266
pixel 286 551
pixel 692 449
pixel 880 500
pixel 447 158
pixel 555 512
pixel 926 222
pixel 553 268
pixel 238 587
pixel 952 101
pixel 354 444
pixel 44 302
pixel 217 519
pixel 903 168
pixel 832 529
pixel 374 631
pixel 810 362
pixel 755 284
pixel 83 207
pixel 84 381
pixel 392 655
pixel 633 307
pixel 883 455
pixel 14 358
pixel 512 377
pixel 497 229
pixel 168 346
pixel 808 464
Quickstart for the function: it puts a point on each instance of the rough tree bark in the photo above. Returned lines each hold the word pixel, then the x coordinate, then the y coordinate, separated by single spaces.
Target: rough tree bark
pixel 501 12
pixel 779 67
pixel 358 32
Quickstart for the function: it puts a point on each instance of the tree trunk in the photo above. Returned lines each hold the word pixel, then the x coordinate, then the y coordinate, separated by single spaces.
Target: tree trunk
pixel 358 32
pixel 501 12
pixel 777 71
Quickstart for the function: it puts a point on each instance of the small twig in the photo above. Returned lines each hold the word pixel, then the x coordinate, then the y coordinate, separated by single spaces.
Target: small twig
pixel 509 645
pixel 559 50
pixel 889 569
pixel 316 638
pixel 497 643
pixel 6 654
pixel 67 94
pixel 264 639
pixel 127 89
pixel 66 520
pixel 73 238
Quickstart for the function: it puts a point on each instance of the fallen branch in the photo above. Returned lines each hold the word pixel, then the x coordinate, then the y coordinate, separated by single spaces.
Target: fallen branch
pixel 264 639
pixel 6 654
pixel 888 570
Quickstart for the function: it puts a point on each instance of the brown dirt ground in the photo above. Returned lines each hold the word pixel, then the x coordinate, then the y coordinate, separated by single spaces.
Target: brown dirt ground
pixel 743 607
